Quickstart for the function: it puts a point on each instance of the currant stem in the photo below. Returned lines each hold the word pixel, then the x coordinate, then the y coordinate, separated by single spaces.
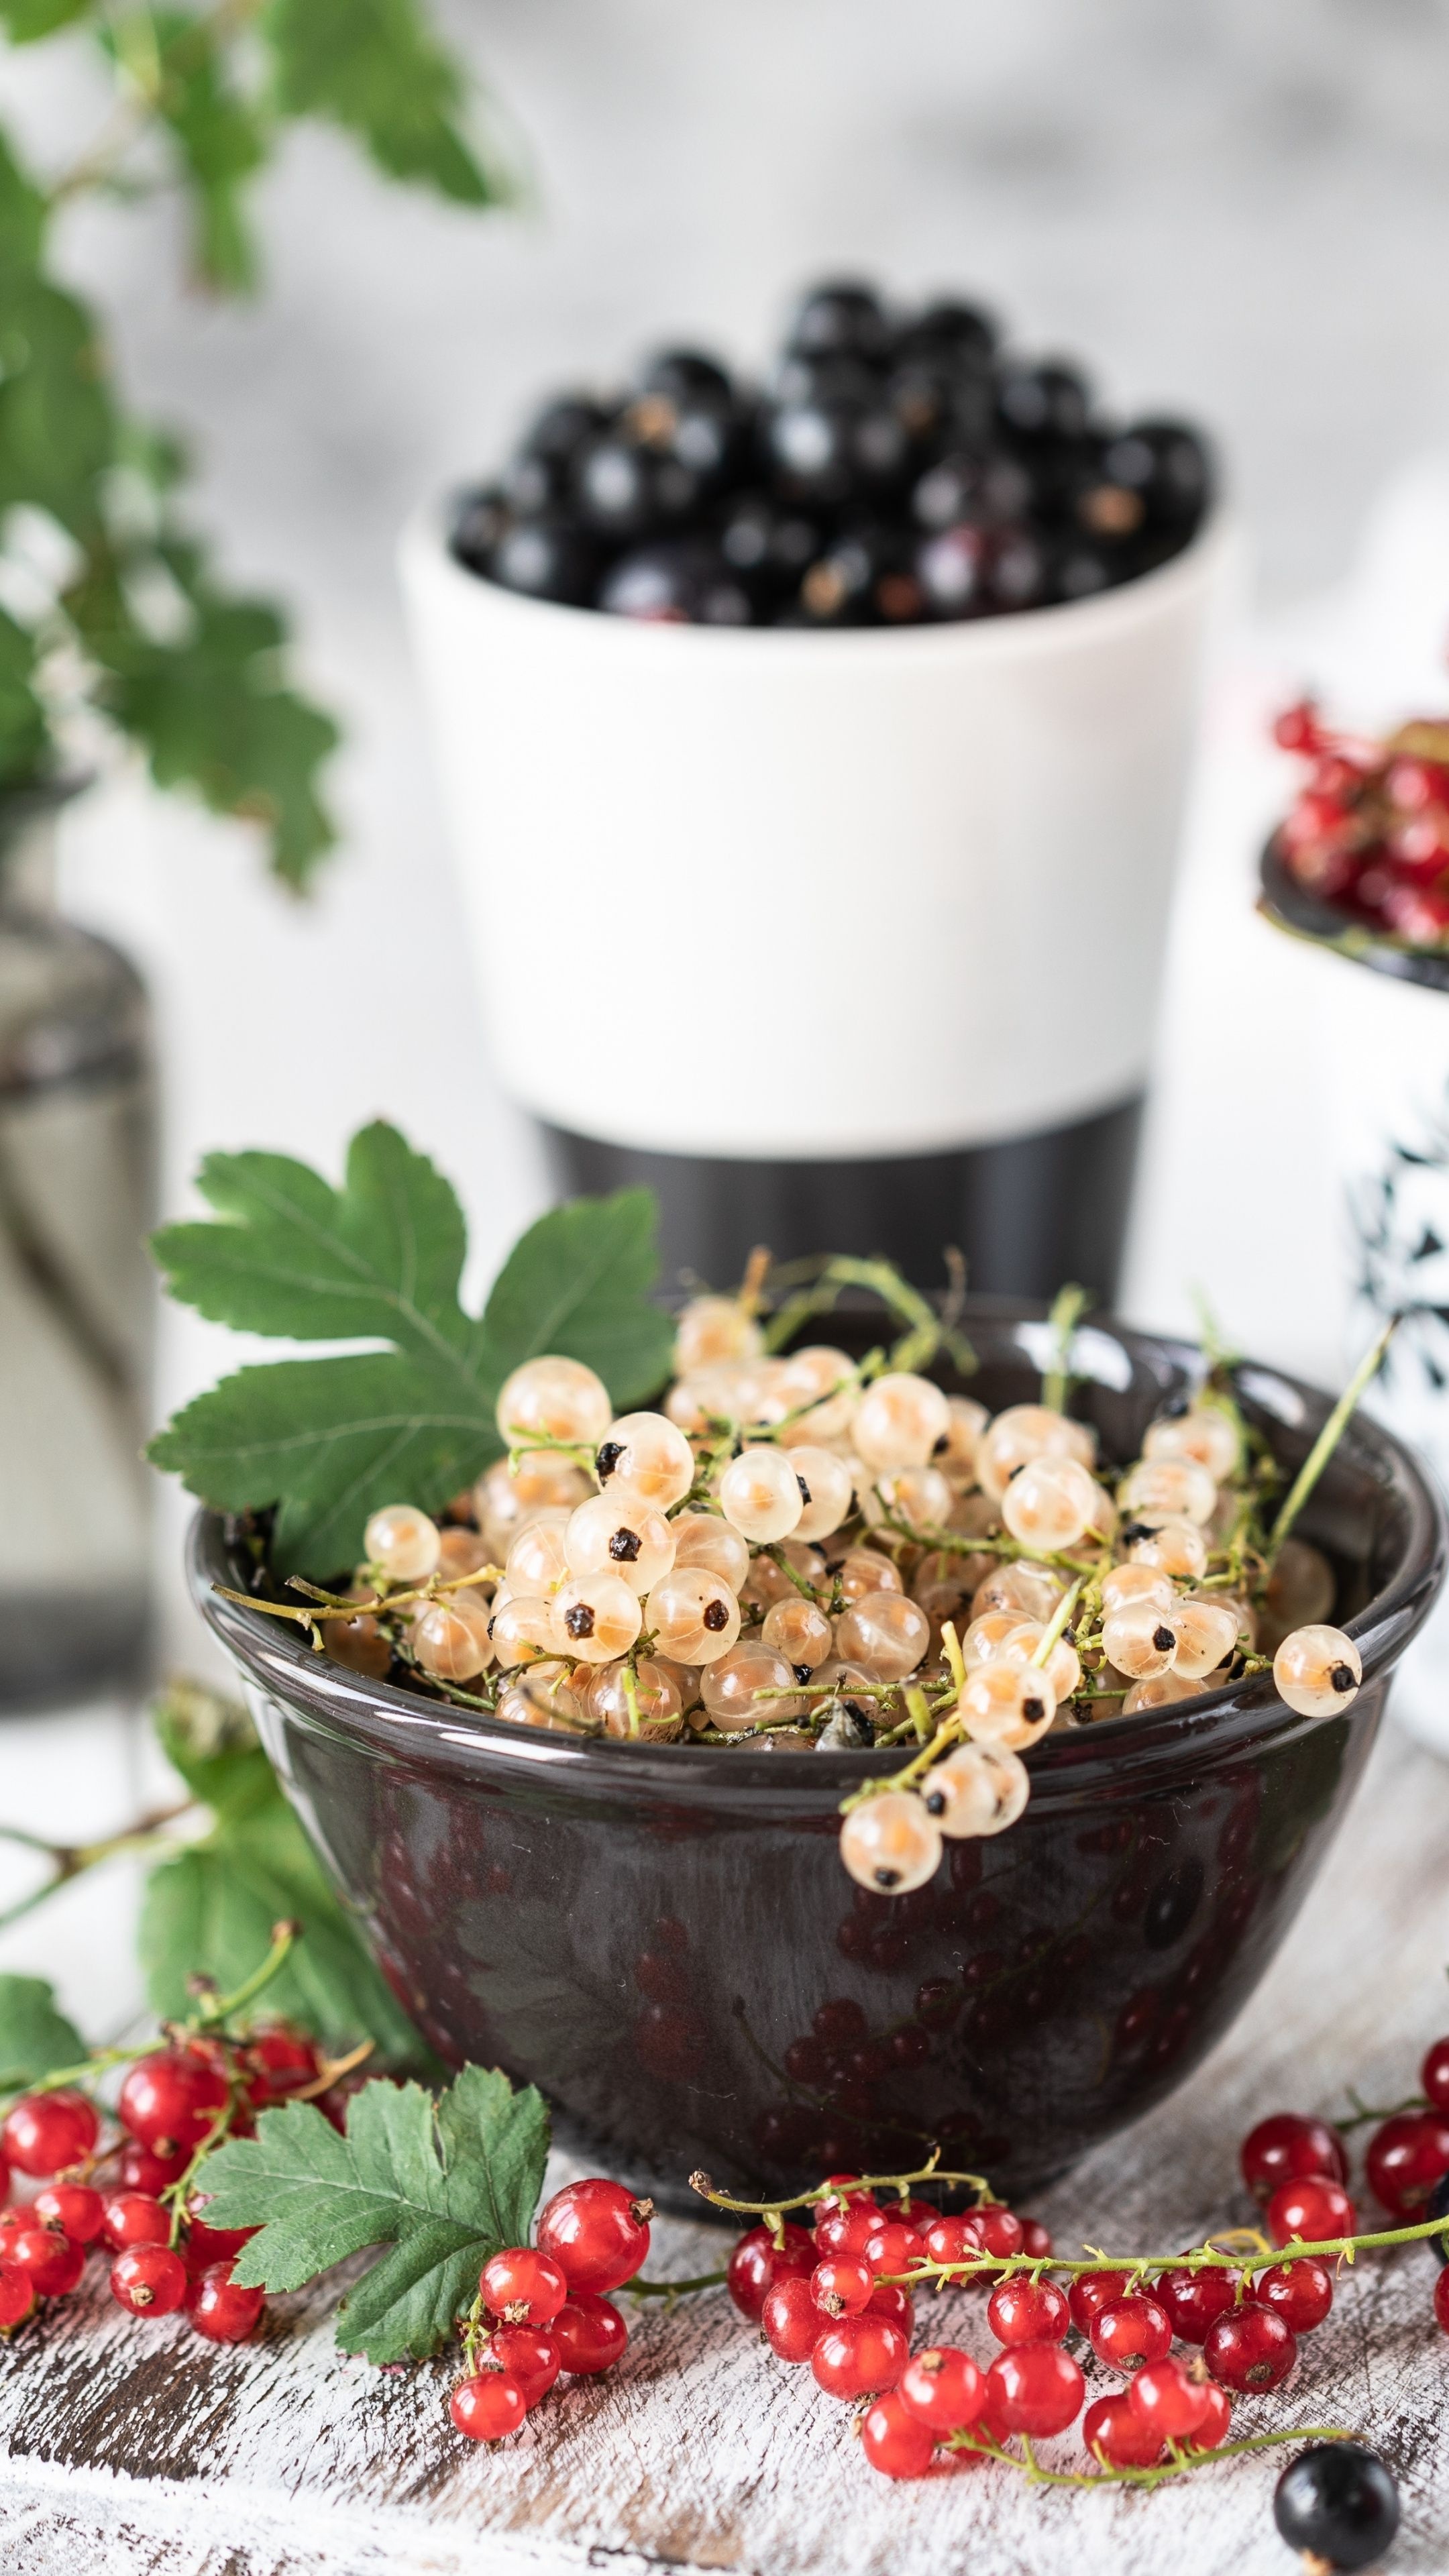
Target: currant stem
pixel 1051 1633
pixel 1138 2267
pixel 71 1860
pixel 285 1937
pixel 1181 2460
pixel 1327 1441
pixel 639 2288
pixel 1363 2110
pixel 932 2172
pixel 1068 1307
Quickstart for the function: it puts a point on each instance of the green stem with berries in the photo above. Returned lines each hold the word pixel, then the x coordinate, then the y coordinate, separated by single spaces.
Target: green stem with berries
pixel 1180 2459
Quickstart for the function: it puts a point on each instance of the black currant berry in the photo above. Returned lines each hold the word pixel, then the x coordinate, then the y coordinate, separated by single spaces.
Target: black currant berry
pixel 1045 401
pixel 1167 466
pixel 685 375
pixel 479 520
pixel 1083 567
pixel 952 567
pixel 966 484
pixel 559 431
pixel 547 558
pixel 683 583
pixel 864 579
pixel 840 319
pixel 1020 570
pixel 623 489
pixel 829 452
pixel 771 547
pixel 948 333
pixel 1337 2504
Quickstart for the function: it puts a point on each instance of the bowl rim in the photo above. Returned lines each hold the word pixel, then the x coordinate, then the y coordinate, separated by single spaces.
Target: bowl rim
pixel 1291 908
pixel 396 1722
pixel 424 551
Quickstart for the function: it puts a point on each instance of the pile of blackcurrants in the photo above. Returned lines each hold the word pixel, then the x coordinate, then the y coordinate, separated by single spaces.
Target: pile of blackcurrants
pixel 895 469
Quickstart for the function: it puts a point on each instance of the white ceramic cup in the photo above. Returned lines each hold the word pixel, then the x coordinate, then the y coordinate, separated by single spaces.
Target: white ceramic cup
pixel 767 893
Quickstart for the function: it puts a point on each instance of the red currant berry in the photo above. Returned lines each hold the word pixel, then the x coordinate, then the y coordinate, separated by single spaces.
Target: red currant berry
pixel 1037 2389
pixel 133 2218
pixel 999 2231
pixel 757 2263
pixel 1028 2312
pixel 1405 2160
pixel 54 2264
pixel 950 2240
pixel 919 2214
pixel 844 2191
pixel 1310 2213
pixel 1035 2239
pixel 17 2294
pixel 792 2322
pixel 891 2247
pixel 72 2207
pixel 597 2233
pixel 528 2355
pixel 1128 2332
pixel 221 2309
pixel 587 2334
pixel 1250 2349
pixel 1168 2401
pixel 1434 2075
pixel 944 2387
pixel 1297 729
pixel 1090 2293
pixel 859 2356
pixel 522 2287
pixel 1286 2148
pixel 841 2285
pixel 1300 2293
pixel 895 2441
pixel 141 2169
pixel 848 2229
pixel 1441 2299
pixel 1116 2435
pixel 1217 2423
pixel 891 2299
pixel 46 2133
pixel 170 2100
pixel 204 2247
pixel 488 2407
pixel 1194 2300
pixel 278 2062
pixel 150 2280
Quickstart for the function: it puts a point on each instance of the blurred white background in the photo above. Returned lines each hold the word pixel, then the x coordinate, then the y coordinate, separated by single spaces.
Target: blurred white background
pixel 1236 211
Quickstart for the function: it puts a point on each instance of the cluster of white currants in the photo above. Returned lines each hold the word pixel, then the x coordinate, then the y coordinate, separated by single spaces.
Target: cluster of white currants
pixel 798 1552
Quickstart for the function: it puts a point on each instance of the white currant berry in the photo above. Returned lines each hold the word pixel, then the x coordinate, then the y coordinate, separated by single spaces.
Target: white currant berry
pixel 1063 1666
pixel 657 1700
pixel 1318 1670
pixel 503 1502
pixel 885 1634
pixel 544 1695
pixel 403 1544
pixel 823 1379
pixel 451 1640
pixel 703 1538
pixel 1032 1591
pixel 899 1420
pixel 462 1552
pixel 1024 1432
pixel 890 1843
pixel 976 1789
pixel 1049 1504
pixel 693 1615
pixel 619 1531
pixel 942 1585
pixel 760 1494
pixel 1206 1434
pixel 651 1453
pixel 558 1397
pixel 711 1329
pixel 1008 1704
pixel 521 1629
pixel 538 1559
pixel 750 1686
pixel 1207 1633
pixel 1167 1489
pixel 967 1421
pixel 796 1629
pixel 919 1496
pixel 685 1677
pixel 596 1617
pixel 1177 1549
pixel 827 1480
pixel 986 1636
pixel 1163 1691
pixel 1140 1640
pixel 1135 1582
pixel 713 1395
pixel 863 1571
pixel 1300 1591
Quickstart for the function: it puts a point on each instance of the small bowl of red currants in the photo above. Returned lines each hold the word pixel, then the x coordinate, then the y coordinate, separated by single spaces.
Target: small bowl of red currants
pixel 1361 859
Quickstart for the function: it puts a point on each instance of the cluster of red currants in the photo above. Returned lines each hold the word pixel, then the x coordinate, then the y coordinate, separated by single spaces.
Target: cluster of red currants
pixel 1369 829
pixel 130 2198
pixel 541 2308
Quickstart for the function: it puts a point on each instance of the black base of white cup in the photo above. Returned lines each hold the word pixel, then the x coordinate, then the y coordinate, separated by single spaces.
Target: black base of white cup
pixel 1027 1214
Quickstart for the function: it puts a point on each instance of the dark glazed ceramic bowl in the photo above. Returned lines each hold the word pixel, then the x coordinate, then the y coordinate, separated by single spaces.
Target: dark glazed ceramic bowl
pixel 666 1942
pixel 1289 906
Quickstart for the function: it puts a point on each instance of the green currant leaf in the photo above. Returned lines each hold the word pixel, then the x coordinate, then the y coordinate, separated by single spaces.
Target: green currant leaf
pixel 375 67
pixel 212 1743
pixel 35 2037
pixel 444 2185
pixel 329 1441
pixel 23 730
pixel 26 21
pixel 222 139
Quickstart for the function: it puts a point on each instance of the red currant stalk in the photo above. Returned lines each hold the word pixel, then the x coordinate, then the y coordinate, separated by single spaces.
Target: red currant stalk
pixel 1130 2269
pixel 1181 2461
pixel 838 2187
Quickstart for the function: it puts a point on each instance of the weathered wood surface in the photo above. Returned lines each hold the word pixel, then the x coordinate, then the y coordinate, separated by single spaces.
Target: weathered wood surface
pixel 132 2450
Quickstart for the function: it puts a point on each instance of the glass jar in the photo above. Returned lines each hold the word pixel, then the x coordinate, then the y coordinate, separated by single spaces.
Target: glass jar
pixel 77 1191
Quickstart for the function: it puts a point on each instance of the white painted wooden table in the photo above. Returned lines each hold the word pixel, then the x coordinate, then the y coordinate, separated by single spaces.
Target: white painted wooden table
pixel 129 2450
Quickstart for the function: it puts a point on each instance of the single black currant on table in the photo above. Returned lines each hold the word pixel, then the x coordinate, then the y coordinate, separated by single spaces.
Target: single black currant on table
pixel 1338 2505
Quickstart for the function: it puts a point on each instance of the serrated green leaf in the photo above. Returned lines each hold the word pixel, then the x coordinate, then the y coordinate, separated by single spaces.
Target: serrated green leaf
pixel 376 68
pixel 35 2037
pixel 443 2188
pixel 212 1743
pixel 330 1441
pixel 222 139
pixel 26 21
